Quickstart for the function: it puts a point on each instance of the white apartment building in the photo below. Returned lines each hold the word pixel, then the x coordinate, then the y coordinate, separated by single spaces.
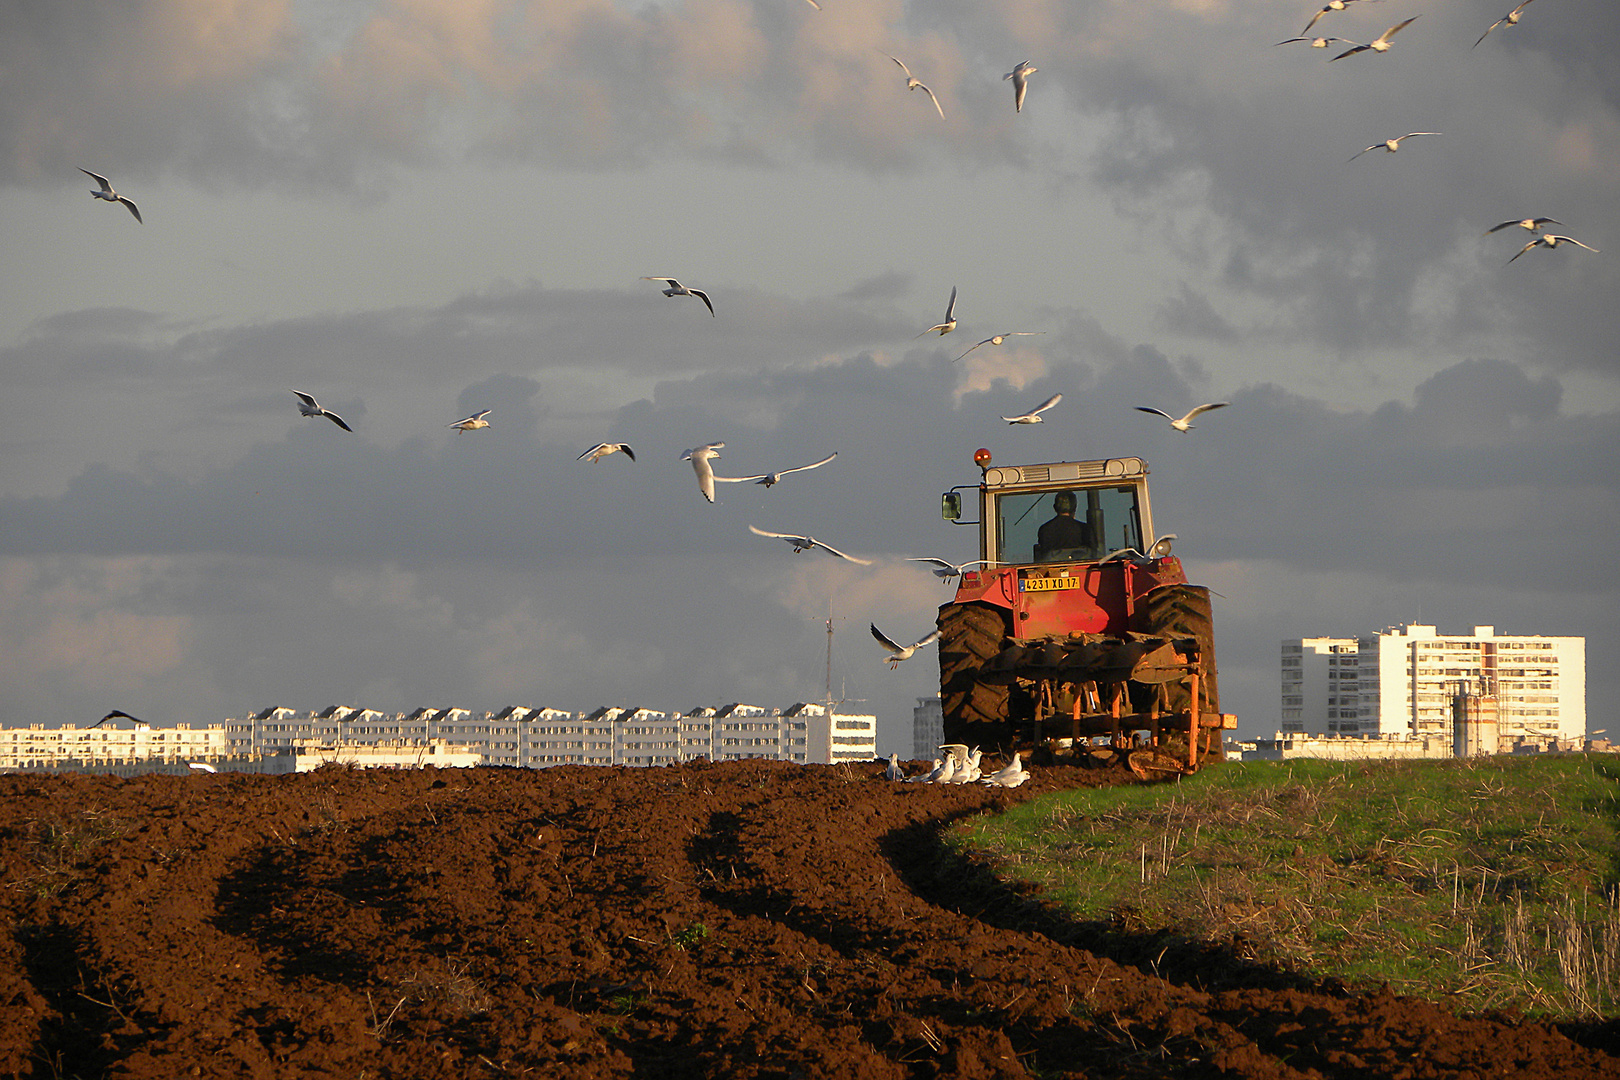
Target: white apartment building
pixel 536 738
pixel 927 728
pixel 108 745
pixel 514 736
pixel 1400 684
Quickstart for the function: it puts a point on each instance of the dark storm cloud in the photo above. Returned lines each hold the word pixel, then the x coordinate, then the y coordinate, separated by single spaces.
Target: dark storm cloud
pixel 1275 472
pixel 499 561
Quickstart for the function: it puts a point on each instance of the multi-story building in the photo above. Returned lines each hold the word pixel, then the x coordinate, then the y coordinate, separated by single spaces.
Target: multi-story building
pixel 514 736
pixel 1403 682
pixel 534 738
pixel 927 727
pixel 108 746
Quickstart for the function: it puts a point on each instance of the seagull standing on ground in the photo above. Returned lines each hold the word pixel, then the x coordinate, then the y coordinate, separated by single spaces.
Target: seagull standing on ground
pixel 969 771
pixel 1391 145
pixel 893 771
pixel 1529 224
pixel 773 478
pixel 310 407
pixel 700 457
pixel 603 449
pixel 1020 80
pixel 914 83
pixel 958 761
pixel 950 319
pixel 1379 44
pixel 1034 415
pixel 999 338
pixel 805 543
pixel 1185 423
pixel 945 570
pixel 1511 18
pixel 677 289
pixel 1009 777
pixel 110 195
pixel 473 422
pixel 1552 240
pixel 898 652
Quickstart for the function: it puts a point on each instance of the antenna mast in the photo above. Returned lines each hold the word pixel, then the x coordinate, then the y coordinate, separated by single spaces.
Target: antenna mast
pixel 829 665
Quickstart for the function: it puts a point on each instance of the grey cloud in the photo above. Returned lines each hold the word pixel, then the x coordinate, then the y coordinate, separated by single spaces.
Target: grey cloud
pixel 1190 312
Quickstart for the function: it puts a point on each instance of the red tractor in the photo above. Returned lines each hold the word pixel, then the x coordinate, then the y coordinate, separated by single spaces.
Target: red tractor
pixel 1079 629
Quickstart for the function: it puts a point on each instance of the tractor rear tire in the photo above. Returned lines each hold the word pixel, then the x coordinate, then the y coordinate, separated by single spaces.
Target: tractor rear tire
pixel 970 636
pixel 1183 611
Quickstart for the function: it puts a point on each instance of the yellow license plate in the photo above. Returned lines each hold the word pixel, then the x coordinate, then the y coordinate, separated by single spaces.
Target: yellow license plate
pixel 1049 584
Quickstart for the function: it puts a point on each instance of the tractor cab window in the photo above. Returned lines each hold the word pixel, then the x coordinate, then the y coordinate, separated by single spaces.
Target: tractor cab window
pixel 1079 525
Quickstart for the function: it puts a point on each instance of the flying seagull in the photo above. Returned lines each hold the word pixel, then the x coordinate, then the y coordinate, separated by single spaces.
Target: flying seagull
pixel 115 715
pixel 950 319
pixel 1333 5
pixel 677 289
pixel 1379 44
pixel 1392 145
pixel 700 457
pixel 473 422
pixel 310 407
pixel 1528 224
pixel 945 570
pixel 1552 240
pixel 1316 42
pixel 1185 423
pixel 999 339
pixel 1034 415
pixel 914 83
pixel 110 195
pixel 1511 18
pixel 1020 80
pixel 899 652
pixel 813 4
pixel 200 766
pixel 1156 550
pixel 772 478
pixel 603 449
pixel 805 543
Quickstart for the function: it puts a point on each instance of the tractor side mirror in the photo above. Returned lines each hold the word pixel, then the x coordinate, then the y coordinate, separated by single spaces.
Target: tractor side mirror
pixel 950 506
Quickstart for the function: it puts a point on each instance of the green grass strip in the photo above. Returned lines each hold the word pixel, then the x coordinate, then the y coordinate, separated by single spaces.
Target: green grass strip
pixel 1491 880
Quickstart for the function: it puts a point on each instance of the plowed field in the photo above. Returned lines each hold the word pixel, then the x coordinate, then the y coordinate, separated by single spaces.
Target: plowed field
pixel 742 920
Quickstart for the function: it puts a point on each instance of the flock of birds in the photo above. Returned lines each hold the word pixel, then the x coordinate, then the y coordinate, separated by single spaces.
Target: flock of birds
pixel 1381 44
pixel 702 457
pixel 959 765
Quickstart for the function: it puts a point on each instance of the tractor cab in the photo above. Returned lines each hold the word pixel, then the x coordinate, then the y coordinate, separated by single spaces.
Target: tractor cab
pixel 1059 512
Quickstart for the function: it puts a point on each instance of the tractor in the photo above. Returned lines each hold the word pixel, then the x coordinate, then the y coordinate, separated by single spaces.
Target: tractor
pixel 1078 633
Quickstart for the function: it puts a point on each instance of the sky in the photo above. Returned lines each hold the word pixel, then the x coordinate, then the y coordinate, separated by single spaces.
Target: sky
pixel 418 209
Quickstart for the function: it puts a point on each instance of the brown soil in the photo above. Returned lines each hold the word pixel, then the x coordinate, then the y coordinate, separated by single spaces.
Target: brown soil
pixel 746 920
